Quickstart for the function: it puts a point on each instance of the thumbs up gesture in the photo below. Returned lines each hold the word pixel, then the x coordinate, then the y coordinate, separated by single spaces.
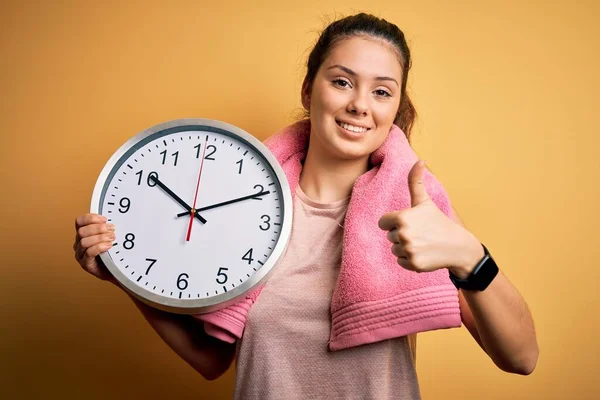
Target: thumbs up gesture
pixel 423 238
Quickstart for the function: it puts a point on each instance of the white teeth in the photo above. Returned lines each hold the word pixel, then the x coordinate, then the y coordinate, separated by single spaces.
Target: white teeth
pixel 353 128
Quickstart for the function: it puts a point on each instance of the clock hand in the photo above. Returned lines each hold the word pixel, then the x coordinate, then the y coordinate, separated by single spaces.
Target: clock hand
pixel 252 196
pixel 177 198
pixel 193 211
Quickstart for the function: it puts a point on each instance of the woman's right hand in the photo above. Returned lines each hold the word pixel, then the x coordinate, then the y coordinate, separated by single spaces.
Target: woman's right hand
pixel 93 236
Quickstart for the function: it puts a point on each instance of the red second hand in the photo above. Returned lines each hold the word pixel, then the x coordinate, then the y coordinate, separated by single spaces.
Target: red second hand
pixel 193 211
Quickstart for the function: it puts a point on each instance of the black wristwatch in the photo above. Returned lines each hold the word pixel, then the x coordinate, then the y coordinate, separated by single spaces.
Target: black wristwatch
pixel 483 274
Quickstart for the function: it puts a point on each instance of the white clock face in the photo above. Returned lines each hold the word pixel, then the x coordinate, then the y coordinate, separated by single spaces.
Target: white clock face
pixel 172 257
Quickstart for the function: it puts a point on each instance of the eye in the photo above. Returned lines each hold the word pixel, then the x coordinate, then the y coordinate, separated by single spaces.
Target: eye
pixel 341 82
pixel 383 93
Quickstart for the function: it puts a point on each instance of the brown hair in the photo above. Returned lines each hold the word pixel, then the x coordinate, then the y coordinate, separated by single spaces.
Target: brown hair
pixel 367 25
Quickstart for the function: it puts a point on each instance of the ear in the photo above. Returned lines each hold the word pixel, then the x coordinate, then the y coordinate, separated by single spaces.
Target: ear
pixel 305 94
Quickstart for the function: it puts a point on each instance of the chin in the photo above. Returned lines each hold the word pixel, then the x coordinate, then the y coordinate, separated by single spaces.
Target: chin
pixel 345 150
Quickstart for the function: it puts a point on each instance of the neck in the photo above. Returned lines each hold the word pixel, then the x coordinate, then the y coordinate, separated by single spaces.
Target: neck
pixel 326 179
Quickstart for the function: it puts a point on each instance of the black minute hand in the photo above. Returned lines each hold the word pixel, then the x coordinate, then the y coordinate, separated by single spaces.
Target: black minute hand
pixel 251 196
pixel 177 198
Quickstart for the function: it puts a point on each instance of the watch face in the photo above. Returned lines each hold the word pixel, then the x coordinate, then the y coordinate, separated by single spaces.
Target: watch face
pixel 180 260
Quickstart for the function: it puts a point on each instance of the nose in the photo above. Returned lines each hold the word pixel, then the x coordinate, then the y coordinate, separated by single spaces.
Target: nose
pixel 358 104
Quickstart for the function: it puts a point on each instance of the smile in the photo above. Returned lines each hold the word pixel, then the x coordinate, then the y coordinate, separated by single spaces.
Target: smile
pixel 352 128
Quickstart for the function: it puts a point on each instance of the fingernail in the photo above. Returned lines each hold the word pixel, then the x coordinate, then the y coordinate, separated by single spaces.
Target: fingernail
pixel 110 227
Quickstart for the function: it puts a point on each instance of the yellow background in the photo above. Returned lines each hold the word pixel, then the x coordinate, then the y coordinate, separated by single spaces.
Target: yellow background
pixel 508 96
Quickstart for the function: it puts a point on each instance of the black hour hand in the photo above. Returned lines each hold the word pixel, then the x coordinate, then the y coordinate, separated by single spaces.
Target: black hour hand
pixel 177 198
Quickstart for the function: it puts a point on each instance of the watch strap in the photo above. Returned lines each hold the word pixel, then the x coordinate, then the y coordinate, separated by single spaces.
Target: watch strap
pixel 482 275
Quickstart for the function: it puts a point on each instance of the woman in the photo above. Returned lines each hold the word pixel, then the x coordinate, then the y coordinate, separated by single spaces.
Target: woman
pixel 354 91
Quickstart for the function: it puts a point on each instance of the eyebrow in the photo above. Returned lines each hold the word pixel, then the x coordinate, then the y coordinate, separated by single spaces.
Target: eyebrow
pixel 350 72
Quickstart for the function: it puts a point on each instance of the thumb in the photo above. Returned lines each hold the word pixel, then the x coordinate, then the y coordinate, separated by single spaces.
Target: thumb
pixel 418 193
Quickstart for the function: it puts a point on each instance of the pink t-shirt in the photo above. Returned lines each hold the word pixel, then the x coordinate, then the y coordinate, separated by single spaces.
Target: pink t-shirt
pixel 283 353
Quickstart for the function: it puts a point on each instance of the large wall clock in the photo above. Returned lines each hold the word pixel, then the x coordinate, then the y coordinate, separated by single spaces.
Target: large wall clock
pixel 202 211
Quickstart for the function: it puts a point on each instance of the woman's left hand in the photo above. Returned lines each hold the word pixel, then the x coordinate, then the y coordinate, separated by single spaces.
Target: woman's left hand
pixel 424 238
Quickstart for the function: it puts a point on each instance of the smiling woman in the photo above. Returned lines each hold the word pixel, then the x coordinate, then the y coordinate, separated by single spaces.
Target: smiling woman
pixel 353 101
pixel 352 155
pixel 353 91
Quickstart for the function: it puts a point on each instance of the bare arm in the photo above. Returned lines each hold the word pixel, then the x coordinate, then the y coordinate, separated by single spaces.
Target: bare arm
pixel 183 333
pixel 185 336
pixel 499 320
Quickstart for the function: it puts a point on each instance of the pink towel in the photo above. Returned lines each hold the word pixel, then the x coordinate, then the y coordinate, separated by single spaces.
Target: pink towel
pixel 374 298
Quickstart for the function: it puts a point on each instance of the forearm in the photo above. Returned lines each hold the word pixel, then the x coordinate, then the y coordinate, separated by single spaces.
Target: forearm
pixel 185 335
pixel 504 325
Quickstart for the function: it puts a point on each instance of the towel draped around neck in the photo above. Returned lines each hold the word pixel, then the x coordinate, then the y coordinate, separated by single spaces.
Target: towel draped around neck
pixel 374 298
